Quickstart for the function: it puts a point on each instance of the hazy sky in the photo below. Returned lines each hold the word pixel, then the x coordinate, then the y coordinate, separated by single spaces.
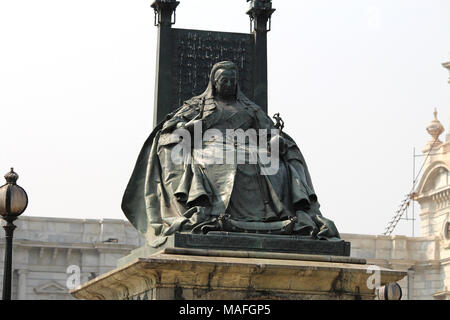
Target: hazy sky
pixel 356 82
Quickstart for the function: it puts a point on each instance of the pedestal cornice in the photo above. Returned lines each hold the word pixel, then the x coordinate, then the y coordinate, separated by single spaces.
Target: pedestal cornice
pixel 162 276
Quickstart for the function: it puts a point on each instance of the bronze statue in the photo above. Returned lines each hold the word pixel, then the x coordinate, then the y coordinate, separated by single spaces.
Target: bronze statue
pixel 199 196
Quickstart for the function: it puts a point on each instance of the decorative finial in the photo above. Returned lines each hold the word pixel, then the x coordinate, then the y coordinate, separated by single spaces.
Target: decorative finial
pixel 446 65
pixel 11 177
pixel 435 129
pixel 260 13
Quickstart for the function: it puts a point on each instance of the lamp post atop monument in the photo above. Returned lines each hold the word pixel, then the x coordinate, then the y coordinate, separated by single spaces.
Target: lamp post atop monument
pixel 164 10
pixel 260 13
pixel 13 202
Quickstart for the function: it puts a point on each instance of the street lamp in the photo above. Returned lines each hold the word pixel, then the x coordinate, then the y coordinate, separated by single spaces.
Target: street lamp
pixel 13 201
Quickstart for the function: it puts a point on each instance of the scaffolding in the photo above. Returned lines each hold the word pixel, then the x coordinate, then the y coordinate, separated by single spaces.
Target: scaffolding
pixel 408 201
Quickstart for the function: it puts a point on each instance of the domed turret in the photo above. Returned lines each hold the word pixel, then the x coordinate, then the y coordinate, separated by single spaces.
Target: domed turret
pixel 435 129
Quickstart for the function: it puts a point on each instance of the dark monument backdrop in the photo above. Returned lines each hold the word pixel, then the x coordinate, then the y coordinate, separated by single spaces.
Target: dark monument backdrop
pixel 185 57
pixel 197 51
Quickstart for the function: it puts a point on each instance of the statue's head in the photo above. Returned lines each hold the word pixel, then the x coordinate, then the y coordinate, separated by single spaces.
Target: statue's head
pixel 224 77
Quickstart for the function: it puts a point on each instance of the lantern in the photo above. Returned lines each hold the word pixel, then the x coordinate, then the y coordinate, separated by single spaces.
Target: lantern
pixel 13 202
pixel 13 198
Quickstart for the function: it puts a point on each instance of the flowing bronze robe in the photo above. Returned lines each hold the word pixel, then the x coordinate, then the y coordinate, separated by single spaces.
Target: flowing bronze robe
pixel 163 197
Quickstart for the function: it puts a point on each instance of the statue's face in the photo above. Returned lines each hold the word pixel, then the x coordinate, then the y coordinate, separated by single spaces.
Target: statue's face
pixel 226 83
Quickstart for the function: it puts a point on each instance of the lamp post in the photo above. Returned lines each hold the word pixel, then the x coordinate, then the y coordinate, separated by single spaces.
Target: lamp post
pixel 260 13
pixel 164 11
pixel 13 201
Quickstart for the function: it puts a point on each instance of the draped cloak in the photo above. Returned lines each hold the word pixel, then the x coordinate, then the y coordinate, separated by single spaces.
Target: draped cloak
pixel 163 197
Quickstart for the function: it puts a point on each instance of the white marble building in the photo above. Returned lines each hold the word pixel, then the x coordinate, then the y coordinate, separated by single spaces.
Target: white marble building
pixel 44 248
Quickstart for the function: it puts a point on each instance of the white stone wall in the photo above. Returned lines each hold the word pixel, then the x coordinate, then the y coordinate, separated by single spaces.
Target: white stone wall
pixel 432 221
pixel 45 247
pixel 421 257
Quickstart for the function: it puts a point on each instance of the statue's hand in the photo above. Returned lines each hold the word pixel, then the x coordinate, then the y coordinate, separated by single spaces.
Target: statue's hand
pixel 190 125
pixel 282 145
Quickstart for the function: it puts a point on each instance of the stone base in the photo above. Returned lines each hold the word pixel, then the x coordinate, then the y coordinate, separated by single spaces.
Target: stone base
pixel 261 242
pixel 235 276
pixel 244 242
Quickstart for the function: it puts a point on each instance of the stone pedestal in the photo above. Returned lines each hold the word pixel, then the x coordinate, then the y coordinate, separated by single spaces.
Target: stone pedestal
pixel 197 274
